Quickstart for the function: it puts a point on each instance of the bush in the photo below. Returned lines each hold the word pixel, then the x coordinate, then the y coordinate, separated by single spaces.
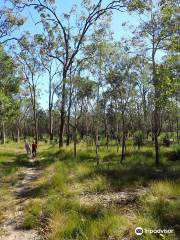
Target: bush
pixel 175 154
pixel 166 141
pixel 139 139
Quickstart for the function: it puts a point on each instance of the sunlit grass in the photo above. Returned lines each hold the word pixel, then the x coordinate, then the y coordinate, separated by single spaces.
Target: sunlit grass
pixel 160 209
pixel 63 179
pixel 32 214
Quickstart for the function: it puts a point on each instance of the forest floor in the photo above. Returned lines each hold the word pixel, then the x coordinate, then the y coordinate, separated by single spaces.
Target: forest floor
pixel 14 198
pixel 56 197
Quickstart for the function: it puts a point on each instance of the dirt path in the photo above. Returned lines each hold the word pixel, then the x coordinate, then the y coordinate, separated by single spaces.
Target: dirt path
pixel 11 228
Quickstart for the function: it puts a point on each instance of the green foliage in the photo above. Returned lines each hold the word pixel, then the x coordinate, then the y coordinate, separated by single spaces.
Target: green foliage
pixel 166 140
pixel 32 215
pixel 8 80
pixel 9 86
pixel 174 155
pixel 84 87
pixel 9 22
pixel 139 138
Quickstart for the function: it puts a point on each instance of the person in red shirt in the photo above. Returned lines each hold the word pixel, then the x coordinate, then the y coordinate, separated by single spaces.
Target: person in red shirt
pixel 34 148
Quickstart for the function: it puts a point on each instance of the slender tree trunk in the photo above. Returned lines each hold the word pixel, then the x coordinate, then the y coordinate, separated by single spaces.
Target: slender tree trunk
pixel 33 101
pixel 12 134
pixel 177 129
pixel 68 129
pixel 97 146
pixel 35 125
pixel 75 142
pixel 107 141
pixel 68 119
pixel 177 121
pixel 105 126
pixel 62 110
pixel 117 136
pixel 156 129
pixel 145 114
pixel 75 139
pixel 97 130
pixel 18 134
pixel 3 133
pixel 86 125
pixel 50 124
pixel 50 109
pixel 123 139
pixel 156 120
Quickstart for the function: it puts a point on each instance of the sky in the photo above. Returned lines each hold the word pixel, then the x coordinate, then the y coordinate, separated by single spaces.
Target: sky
pixel 63 6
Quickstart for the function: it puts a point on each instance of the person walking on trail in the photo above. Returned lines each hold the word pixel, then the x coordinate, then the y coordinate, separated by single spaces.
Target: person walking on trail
pixel 34 148
pixel 27 147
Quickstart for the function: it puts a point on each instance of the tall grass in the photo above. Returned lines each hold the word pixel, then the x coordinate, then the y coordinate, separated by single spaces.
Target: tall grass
pixel 56 204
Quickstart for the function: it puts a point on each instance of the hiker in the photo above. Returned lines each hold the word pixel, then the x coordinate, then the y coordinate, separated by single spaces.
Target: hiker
pixel 34 147
pixel 27 147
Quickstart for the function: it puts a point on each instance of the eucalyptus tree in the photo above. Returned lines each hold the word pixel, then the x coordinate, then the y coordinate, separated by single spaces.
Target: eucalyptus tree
pixel 52 68
pixel 121 81
pixel 21 115
pixel 30 66
pixel 155 34
pixel 100 47
pixel 75 70
pixel 69 31
pixel 9 86
pixel 82 90
pixel 172 67
pixel 169 84
pixel 143 74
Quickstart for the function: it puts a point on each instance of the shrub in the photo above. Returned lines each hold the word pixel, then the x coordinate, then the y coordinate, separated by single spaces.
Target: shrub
pixel 175 154
pixel 166 141
pixel 139 139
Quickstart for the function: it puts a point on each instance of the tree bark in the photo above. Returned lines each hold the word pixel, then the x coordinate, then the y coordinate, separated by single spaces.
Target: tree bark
pixel 156 128
pixel 35 125
pixel 3 133
pixel 68 118
pixel 50 124
pixel 177 121
pixel 75 139
pixel 62 110
pixel 18 134
pixel 177 129
pixel 156 120
pixel 123 139
pixel 97 146
pixel 50 111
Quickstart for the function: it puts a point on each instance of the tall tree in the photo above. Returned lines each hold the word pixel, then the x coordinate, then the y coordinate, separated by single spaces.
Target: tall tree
pixel 29 62
pixel 71 37
pixel 9 84
pixel 155 34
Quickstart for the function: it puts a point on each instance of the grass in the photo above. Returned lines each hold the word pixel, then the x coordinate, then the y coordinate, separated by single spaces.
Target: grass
pixel 55 204
pixel 161 208
pixel 32 214
pixel 8 176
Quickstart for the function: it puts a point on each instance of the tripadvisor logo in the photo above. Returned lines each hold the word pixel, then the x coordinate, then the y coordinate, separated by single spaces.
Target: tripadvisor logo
pixel 138 231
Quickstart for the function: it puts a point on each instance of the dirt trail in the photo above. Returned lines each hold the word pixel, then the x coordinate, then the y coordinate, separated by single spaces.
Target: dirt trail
pixel 11 228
